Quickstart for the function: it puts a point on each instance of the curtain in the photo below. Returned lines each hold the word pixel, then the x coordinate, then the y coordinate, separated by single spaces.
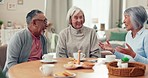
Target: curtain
pixel 56 11
pixel 115 12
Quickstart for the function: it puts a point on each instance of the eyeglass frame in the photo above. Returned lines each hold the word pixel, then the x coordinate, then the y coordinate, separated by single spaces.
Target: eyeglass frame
pixel 45 20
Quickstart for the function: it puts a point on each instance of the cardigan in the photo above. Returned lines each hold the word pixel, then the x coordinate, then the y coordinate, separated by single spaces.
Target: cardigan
pixel 19 48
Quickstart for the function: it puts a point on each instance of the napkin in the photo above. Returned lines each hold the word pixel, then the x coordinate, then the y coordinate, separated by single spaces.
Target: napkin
pixel 100 65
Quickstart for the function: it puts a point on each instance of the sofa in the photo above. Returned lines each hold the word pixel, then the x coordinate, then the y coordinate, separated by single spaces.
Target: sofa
pixel 116 37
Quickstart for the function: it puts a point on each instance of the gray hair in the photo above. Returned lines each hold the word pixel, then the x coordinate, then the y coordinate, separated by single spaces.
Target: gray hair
pixel 31 14
pixel 138 16
pixel 70 13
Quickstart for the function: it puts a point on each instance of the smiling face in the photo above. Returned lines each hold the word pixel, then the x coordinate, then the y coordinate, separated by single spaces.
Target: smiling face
pixel 127 22
pixel 39 23
pixel 77 19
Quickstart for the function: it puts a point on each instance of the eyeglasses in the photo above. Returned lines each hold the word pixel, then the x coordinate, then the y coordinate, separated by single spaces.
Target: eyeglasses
pixel 45 20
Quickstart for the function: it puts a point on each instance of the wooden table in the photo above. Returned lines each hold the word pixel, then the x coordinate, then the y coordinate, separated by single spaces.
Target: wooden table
pixel 31 70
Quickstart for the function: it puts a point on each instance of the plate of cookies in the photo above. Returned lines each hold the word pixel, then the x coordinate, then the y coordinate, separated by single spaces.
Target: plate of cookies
pixel 71 66
pixel 87 65
pixel 64 74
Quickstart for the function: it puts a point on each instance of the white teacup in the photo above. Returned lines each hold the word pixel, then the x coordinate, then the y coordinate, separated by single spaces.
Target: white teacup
pixel 47 57
pixel 46 69
pixel 82 56
pixel 110 58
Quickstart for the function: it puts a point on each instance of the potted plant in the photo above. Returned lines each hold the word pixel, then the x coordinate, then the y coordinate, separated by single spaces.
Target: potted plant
pixel 119 23
pixel 1 22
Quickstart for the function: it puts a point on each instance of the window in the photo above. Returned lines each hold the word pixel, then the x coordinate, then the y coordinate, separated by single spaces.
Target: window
pixel 94 9
pixel 108 12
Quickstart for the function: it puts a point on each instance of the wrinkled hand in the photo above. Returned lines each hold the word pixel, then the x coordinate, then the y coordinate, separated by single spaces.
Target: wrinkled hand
pixel 127 51
pixel 106 46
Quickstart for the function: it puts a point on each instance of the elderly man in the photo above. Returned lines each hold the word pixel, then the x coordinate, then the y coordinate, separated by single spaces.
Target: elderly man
pixel 28 44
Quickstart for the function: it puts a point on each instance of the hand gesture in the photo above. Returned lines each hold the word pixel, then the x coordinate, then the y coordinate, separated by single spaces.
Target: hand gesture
pixel 106 46
pixel 127 51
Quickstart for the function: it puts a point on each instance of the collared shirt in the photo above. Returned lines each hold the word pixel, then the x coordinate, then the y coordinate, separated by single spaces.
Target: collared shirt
pixel 139 44
pixel 36 49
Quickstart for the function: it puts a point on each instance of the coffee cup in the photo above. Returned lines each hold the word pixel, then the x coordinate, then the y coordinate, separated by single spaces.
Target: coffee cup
pixel 47 57
pixel 110 58
pixel 82 56
pixel 46 69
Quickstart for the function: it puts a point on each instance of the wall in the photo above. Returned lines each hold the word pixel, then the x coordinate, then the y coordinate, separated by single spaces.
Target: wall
pixel 130 3
pixel 18 15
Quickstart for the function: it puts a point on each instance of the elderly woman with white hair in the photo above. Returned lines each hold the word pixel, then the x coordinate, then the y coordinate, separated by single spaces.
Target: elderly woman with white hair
pixel 136 38
pixel 77 37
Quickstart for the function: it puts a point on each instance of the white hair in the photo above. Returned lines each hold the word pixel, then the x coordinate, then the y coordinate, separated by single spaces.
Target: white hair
pixel 70 13
pixel 138 16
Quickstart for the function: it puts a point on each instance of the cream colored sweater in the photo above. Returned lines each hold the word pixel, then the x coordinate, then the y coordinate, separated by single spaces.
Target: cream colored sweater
pixel 71 40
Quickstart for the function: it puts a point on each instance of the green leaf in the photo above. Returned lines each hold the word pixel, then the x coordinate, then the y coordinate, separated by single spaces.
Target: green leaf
pixel 1 22
pixel 125 59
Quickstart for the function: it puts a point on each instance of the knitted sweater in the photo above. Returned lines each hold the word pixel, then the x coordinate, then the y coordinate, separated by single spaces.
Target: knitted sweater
pixel 71 40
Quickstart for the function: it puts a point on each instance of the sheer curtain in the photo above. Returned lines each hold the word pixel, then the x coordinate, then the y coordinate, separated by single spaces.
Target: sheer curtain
pixel 86 6
pixel 56 11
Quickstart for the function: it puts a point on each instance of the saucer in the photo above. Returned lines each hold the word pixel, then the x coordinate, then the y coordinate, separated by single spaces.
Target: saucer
pixel 72 66
pixel 106 61
pixel 83 59
pixel 46 61
pixel 56 75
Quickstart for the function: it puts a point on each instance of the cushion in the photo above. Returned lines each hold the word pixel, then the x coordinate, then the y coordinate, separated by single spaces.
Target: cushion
pixel 108 32
pixel 118 36
pixel 122 30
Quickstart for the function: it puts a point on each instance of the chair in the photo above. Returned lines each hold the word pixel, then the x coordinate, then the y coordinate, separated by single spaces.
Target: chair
pixel 3 49
pixel 52 39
